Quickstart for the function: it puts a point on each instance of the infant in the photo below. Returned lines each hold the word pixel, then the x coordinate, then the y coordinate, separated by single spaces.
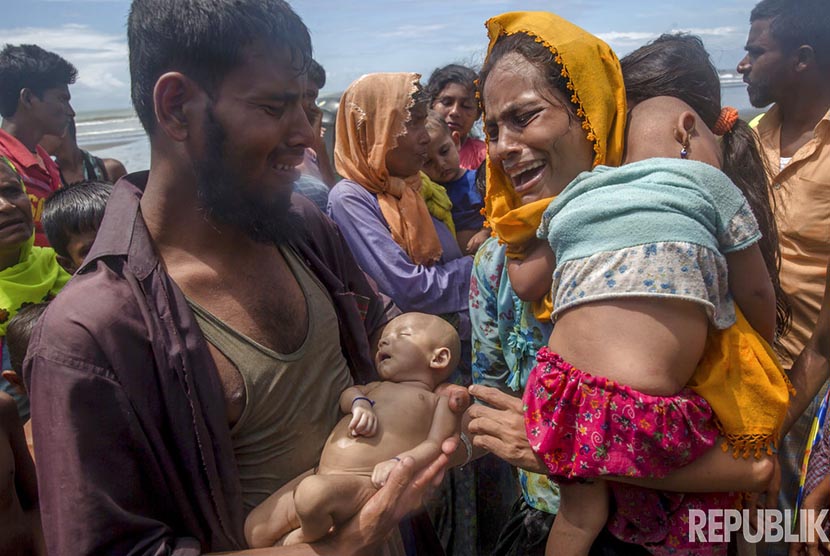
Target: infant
pixel 399 417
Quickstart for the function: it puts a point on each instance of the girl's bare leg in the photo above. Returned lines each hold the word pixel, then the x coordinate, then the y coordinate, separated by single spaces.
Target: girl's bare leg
pixel 583 512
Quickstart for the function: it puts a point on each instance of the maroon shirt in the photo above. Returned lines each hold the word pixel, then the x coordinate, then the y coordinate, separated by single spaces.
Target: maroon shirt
pixel 132 441
pixel 40 182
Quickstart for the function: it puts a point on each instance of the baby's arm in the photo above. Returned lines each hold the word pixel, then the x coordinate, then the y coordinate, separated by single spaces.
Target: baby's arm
pixel 714 471
pixel 531 278
pixel 752 289
pixel 445 423
pixel 355 400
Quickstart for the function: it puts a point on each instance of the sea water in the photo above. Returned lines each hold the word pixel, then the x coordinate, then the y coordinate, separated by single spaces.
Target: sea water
pixel 118 133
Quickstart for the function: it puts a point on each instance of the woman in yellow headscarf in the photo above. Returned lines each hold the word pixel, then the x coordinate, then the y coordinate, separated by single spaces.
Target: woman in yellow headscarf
pixel 380 147
pixel 554 106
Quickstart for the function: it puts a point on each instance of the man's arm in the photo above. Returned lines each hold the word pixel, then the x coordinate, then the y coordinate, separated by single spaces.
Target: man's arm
pixel 812 368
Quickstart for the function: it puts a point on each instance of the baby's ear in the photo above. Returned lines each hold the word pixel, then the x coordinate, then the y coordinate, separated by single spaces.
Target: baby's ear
pixel 14 379
pixel 456 139
pixel 441 358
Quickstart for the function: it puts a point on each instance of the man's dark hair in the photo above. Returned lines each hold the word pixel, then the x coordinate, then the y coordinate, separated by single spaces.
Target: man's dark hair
pixel 794 23
pixel 316 74
pixel 72 210
pixel 205 39
pixel 453 73
pixel 19 331
pixel 28 66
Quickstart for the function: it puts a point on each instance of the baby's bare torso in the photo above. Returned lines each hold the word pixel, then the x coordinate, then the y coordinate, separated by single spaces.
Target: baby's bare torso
pixel 404 416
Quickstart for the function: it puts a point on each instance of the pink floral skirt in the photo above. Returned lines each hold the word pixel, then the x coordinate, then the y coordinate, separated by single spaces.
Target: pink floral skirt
pixel 586 427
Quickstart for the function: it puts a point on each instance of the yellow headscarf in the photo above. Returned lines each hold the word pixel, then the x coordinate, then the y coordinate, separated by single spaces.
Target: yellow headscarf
pixel 373 114
pixel 593 74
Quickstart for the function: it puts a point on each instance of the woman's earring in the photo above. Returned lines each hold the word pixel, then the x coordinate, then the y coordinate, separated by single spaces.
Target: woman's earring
pixel 684 151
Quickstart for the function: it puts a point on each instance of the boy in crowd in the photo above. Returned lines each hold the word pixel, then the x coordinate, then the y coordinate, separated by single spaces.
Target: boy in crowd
pixel 34 101
pixel 21 531
pixel 443 167
pixel 71 218
pixel 316 174
pixel 76 164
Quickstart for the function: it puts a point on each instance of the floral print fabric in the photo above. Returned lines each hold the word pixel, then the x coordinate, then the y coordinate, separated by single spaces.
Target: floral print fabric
pixel 506 337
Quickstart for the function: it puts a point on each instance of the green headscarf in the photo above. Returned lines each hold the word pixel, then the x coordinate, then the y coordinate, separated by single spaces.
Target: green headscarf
pixel 36 277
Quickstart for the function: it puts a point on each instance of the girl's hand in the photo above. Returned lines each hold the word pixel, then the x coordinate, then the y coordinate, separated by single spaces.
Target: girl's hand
pixel 476 241
pixel 500 428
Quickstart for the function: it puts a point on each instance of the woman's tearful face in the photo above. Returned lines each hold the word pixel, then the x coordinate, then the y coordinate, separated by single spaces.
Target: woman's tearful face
pixel 533 136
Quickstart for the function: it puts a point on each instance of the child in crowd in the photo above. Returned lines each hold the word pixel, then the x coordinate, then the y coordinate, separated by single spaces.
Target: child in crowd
pixel 18 333
pixel 71 217
pixel 442 167
pixel 641 255
pixel 385 421
pixel 452 93
pixel 75 164
pixel 21 531
pixel 28 274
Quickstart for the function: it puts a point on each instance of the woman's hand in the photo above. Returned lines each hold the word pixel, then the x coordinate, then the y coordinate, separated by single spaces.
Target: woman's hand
pixel 500 428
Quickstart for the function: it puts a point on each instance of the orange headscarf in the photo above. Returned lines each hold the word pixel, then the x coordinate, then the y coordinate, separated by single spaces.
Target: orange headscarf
pixel 594 76
pixel 372 115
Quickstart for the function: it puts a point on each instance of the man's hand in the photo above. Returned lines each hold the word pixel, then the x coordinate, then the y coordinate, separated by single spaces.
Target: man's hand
pixel 500 429
pixel 364 421
pixel 404 491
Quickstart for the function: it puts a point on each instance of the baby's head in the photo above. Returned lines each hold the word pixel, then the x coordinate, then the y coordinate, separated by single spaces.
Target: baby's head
pixel 71 217
pixel 665 126
pixel 416 347
pixel 442 166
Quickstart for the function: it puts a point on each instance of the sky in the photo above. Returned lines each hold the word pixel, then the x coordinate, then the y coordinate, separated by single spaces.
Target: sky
pixel 353 37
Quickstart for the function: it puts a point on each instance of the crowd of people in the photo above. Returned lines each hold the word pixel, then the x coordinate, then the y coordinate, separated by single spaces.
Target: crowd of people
pixel 558 339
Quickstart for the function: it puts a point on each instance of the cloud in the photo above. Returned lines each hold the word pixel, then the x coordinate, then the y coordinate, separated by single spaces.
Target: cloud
pixel 626 36
pixel 101 59
pixel 414 31
pixel 710 32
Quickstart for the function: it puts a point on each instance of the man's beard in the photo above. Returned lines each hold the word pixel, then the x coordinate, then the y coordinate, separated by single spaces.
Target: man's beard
pixel 759 95
pixel 227 200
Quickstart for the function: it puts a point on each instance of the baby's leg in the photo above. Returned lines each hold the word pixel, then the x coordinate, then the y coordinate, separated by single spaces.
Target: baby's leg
pixel 326 500
pixel 583 512
pixel 275 517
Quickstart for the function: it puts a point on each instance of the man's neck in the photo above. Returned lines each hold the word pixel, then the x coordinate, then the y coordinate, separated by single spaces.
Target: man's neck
pixel 802 112
pixel 69 158
pixel 30 136
pixel 180 228
pixel 9 258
